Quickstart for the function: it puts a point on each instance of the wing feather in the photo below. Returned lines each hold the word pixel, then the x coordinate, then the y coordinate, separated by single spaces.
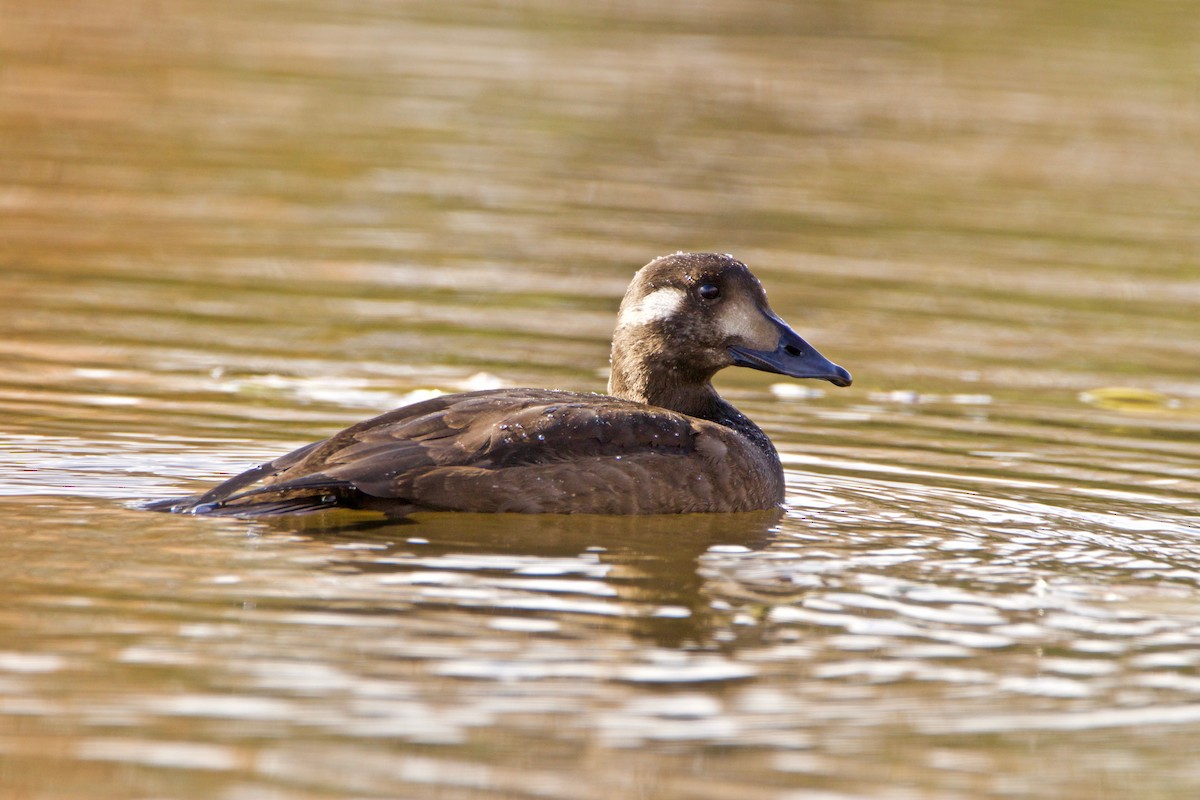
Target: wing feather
pixel 501 450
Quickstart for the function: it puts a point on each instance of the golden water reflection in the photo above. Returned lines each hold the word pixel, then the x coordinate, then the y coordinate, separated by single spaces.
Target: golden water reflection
pixel 230 228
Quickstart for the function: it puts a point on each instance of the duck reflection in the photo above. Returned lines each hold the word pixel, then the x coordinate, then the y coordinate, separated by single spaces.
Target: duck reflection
pixel 638 573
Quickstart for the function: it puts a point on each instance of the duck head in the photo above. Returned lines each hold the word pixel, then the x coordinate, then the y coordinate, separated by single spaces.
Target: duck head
pixel 688 315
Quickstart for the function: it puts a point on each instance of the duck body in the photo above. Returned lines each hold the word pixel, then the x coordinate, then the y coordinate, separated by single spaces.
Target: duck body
pixel 514 450
pixel 661 442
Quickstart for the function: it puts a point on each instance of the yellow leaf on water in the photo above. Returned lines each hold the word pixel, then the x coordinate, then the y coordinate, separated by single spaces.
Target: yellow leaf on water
pixel 1127 398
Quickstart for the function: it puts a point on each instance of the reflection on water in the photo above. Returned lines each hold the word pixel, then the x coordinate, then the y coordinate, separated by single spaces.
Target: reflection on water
pixel 232 228
pixel 880 616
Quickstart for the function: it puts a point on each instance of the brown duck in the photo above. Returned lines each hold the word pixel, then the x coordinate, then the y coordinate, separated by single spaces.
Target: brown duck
pixel 662 441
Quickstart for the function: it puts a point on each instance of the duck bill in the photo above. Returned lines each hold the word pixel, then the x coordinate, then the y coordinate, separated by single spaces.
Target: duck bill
pixel 793 357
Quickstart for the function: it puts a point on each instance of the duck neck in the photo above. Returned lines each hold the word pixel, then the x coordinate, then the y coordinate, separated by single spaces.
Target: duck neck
pixel 664 388
pixel 696 399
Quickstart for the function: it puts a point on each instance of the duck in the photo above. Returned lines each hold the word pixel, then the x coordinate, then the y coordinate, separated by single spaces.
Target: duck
pixel 661 441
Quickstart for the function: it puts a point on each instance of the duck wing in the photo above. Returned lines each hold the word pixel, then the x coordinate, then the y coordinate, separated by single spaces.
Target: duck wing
pixel 522 450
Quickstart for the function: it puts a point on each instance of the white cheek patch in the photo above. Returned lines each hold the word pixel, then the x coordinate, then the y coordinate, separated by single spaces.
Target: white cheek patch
pixel 746 322
pixel 659 305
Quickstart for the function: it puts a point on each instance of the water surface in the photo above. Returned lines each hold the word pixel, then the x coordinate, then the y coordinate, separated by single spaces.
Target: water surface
pixel 227 229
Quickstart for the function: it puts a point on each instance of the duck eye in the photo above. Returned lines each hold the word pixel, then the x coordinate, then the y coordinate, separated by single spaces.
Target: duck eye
pixel 709 291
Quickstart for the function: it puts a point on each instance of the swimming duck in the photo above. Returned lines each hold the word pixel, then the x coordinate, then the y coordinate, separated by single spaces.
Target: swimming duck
pixel 662 441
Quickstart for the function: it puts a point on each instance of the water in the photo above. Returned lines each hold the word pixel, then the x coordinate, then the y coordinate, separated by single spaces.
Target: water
pixel 229 229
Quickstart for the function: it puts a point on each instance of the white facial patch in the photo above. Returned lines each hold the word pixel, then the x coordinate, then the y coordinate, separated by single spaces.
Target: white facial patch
pixel 659 305
pixel 745 321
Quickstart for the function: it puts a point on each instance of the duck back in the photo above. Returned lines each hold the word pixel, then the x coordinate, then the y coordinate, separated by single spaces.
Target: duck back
pixel 514 450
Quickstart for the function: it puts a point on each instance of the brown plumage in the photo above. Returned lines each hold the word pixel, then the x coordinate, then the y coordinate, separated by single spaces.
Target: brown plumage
pixel 662 441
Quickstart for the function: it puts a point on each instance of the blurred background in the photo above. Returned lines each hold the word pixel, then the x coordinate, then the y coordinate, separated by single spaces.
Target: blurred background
pixel 229 228
pixel 936 193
